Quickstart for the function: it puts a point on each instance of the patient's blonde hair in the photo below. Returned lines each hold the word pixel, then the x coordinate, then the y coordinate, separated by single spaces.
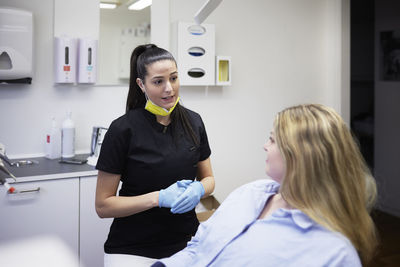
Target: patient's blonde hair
pixel 326 176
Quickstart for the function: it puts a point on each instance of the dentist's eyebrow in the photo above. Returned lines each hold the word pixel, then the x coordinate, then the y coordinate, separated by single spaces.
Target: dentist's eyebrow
pixel 157 77
pixel 161 76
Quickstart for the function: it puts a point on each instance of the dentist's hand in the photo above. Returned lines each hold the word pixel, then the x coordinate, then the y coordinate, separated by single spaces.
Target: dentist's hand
pixel 189 199
pixel 167 196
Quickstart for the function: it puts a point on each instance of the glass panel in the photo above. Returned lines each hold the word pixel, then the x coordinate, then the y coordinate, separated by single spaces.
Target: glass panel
pixel 121 30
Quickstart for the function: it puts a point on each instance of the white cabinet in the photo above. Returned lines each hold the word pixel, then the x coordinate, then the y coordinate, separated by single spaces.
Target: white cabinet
pixel 64 208
pixel 53 210
pixel 93 230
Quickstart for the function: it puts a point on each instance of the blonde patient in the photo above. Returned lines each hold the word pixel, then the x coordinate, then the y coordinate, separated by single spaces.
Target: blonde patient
pixel 313 212
pixel 326 175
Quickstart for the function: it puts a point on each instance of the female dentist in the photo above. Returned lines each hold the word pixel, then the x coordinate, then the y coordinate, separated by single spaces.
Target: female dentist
pixel 159 151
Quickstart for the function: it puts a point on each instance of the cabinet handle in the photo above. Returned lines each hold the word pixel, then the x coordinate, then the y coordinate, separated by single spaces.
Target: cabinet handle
pixel 24 191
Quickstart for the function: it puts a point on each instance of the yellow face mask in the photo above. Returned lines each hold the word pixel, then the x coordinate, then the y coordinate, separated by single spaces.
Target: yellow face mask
pixel 157 110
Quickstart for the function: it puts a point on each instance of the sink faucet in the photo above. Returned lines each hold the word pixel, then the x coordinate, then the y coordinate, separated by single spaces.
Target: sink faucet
pixel 6 159
pixel 16 163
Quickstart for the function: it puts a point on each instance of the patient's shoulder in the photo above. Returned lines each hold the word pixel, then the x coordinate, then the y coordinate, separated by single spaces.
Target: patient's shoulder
pixel 263 185
pixel 253 190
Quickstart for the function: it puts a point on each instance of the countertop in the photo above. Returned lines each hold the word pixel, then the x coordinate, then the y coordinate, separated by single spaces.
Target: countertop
pixel 47 169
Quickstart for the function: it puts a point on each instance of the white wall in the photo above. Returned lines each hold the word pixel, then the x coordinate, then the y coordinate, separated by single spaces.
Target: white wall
pixel 387 109
pixel 283 53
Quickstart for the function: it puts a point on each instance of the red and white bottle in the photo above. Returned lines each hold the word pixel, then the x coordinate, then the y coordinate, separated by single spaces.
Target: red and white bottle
pixel 53 141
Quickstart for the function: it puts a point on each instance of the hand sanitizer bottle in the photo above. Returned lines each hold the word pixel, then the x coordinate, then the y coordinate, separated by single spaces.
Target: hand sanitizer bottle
pixel 68 137
pixel 53 141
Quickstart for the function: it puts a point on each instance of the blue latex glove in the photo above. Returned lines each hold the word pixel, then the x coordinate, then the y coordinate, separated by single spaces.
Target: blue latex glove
pixel 167 196
pixel 184 183
pixel 189 199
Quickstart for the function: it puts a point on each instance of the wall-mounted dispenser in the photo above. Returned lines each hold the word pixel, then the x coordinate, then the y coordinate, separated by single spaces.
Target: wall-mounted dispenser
pixel 64 60
pixel 195 53
pixel 223 74
pixel 87 61
pixel 16 38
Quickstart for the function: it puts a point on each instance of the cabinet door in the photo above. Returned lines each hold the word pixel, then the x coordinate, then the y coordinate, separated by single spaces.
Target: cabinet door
pixel 93 229
pixel 53 210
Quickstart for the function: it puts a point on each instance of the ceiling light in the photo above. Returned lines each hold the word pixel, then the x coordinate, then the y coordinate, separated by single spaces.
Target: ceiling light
pixel 138 5
pixel 107 6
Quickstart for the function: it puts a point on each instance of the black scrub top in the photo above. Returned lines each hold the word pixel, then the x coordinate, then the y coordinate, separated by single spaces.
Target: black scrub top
pixel 149 159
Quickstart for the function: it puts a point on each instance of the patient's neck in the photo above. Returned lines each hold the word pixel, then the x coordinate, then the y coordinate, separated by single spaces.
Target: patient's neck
pixel 274 202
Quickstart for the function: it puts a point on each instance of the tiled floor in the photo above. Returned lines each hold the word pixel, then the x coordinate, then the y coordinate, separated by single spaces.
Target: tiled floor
pixel 388 254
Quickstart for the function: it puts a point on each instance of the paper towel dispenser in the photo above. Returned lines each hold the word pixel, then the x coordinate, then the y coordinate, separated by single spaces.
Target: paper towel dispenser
pixel 16 38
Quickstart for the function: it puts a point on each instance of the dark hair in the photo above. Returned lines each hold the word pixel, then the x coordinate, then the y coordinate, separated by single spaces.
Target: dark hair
pixel 142 56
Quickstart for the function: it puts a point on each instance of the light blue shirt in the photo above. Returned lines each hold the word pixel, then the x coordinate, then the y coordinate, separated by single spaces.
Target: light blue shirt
pixel 234 236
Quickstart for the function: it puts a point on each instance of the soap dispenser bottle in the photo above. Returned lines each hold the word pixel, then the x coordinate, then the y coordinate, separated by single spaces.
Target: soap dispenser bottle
pixel 53 141
pixel 68 137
